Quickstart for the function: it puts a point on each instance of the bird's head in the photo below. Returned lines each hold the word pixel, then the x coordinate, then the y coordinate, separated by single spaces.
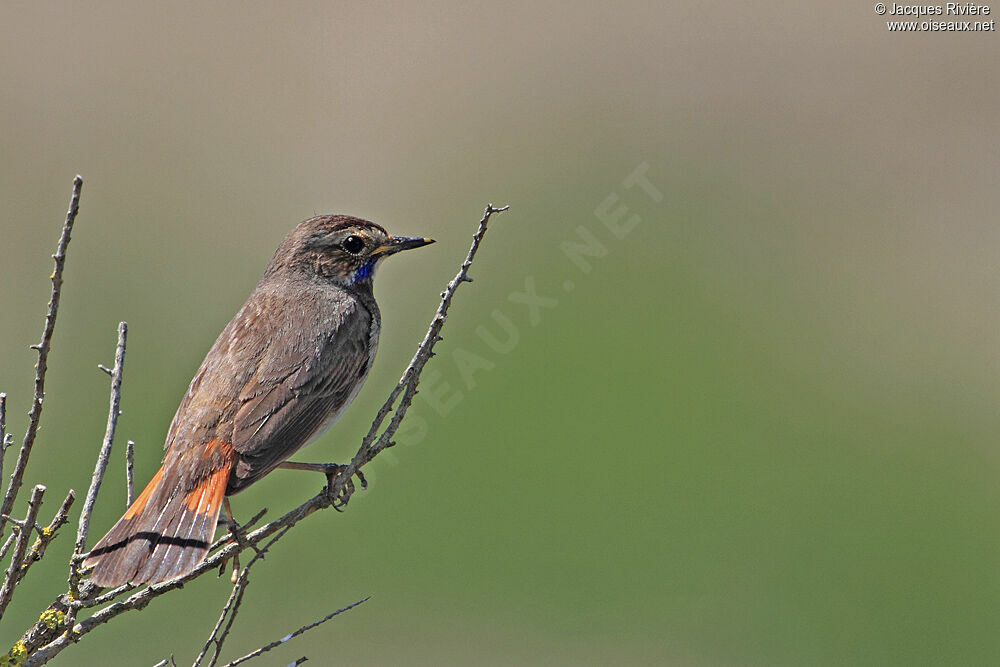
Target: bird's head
pixel 340 248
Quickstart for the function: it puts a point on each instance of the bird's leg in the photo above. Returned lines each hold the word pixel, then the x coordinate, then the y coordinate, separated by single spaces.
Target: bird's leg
pixel 331 470
pixel 237 534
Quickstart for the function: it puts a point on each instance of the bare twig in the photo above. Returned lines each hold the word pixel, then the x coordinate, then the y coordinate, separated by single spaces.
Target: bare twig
pixel 16 570
pixel 102 458
pixel 232 607
pixel 87 599
pixel 229 611
pixel 48 533
pixel 35 414
pixel 5 444
pixel 6 545
pixel 293 635
pixel 129 473
pixel 43 646
pixel 3 431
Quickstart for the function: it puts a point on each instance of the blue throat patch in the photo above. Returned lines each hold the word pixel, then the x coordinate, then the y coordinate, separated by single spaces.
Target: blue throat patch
pixel 365 272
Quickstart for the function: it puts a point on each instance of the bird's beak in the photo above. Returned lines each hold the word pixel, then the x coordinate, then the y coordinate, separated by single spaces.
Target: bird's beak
pixel 399 243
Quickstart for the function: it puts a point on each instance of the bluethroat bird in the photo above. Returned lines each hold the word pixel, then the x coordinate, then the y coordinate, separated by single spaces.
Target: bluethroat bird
pixel 280 374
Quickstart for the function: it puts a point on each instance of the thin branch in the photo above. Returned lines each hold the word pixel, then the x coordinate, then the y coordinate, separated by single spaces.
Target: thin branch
pixel 102 458
pixel 5 444
pixel 44 646
pixel 16 570
pixel 129 473
pixel 3 432
pixel 49 533
pixel 35 414
pixel 6 545
pixel 232 606
pixel 293 635
pixel 86 599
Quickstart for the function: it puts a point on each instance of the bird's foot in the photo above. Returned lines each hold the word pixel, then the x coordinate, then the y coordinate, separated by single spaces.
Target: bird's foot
pixel 338 497
pixel 238 535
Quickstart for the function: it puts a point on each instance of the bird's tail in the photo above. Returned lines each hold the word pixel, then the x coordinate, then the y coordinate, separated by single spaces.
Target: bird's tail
pixel 166 532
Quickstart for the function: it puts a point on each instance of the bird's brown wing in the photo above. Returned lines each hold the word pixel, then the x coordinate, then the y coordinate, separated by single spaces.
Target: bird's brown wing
pixel 310 369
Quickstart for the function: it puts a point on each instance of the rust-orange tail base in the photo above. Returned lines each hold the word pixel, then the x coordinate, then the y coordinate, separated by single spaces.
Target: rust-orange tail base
pixel 164 534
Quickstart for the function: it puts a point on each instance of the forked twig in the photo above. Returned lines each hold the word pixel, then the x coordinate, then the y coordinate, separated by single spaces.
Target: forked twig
pixel 48 533
pixel 232 606
pixel 16 570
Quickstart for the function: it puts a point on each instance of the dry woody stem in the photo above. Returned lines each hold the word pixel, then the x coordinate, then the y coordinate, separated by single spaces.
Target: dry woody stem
pixel 4 442
pixel 15 571
pixel 103 457
pixel 48 533
pixel 35 414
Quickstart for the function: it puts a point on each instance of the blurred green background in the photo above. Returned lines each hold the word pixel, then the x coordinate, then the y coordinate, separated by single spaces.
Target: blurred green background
pixel 759 430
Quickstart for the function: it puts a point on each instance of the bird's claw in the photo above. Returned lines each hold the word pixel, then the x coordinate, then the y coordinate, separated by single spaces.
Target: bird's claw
pixel 237 534
pixel 339 499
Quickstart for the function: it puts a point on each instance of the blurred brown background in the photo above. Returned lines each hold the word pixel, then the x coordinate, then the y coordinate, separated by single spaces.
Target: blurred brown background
pixel 761 429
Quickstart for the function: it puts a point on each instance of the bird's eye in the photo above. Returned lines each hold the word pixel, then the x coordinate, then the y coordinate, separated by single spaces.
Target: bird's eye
pixel 353 244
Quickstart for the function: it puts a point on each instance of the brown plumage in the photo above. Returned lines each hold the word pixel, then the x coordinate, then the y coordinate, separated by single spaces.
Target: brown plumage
pixel 280 373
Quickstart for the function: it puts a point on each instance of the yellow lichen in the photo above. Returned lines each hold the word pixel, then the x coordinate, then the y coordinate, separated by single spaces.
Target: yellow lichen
pixel 16 656
pixel 52 618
